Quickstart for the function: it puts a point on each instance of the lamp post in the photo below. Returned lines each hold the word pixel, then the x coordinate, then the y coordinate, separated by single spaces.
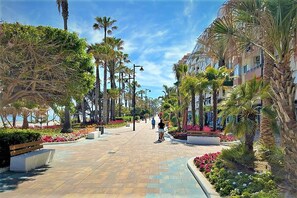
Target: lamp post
pixel 134 92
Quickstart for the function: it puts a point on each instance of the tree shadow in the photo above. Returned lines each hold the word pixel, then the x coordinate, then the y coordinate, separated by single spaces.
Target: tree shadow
pixel 9 180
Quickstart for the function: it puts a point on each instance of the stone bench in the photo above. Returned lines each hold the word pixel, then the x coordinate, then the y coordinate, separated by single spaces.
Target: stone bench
pixel 93 135
pixel 28 156
pixel 203 140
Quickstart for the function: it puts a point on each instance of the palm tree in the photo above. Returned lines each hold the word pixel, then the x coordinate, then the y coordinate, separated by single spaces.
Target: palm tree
pixel 277 20
pixel 249 12
pixel 189 84
pixel 106 24
pixel 202 84
pixel 216 78
pixel 116 44
pixel 241 110
pixel 180 71
pixel 67 122
pixel 121 69
pixel 95 50
pixel 65 13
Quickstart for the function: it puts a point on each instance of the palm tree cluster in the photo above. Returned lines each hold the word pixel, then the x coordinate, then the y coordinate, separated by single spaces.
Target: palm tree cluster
pixel 244 24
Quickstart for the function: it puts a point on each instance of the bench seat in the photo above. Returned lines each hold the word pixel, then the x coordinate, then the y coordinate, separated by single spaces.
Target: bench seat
pixel 34 159
pixel 203 140
pixel 93 135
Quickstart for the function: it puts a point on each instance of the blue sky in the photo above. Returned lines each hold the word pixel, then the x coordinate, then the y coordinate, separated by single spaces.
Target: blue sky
pixel 157 33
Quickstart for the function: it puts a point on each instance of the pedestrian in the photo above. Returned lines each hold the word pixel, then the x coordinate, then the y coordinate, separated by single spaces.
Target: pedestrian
pixel 153 123
pixel 161 127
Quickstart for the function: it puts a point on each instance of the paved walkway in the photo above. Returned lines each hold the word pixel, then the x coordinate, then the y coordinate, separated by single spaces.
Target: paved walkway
pixel 121 163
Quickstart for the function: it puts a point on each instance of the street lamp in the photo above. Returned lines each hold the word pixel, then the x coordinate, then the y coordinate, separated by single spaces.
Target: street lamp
pixel 134 92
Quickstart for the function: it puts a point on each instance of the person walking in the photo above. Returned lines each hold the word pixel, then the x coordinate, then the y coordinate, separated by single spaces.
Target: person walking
pixel 153 123
pixel 161 130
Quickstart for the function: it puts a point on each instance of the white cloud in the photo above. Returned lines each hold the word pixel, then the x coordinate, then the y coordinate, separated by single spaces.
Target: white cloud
pixel 188 9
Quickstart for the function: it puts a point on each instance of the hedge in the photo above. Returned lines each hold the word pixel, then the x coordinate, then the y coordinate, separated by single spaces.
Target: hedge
pixel 7 139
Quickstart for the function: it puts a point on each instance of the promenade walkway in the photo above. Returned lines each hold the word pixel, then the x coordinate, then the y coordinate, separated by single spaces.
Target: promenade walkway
pixel 121 163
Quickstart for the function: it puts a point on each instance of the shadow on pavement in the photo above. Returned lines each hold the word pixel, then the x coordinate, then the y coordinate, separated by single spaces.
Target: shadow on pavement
pixel 10 180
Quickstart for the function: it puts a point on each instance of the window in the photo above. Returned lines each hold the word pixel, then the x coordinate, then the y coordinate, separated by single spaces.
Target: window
pixel 257 61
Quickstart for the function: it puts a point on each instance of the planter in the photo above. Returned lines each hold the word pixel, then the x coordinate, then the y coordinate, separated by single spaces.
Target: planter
pixel 203 140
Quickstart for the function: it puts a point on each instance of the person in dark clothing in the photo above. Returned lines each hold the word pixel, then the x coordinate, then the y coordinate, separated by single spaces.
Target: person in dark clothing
pixel 161 131
pixel 153 123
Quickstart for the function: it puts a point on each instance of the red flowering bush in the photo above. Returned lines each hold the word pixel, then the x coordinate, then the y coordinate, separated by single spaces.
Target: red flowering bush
pixel 116 121
pixel 65 137
pixel 205 162
pixel 227 138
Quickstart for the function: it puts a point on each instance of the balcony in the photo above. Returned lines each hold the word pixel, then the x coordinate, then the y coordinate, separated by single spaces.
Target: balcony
pixel 237 80
pixel 250 74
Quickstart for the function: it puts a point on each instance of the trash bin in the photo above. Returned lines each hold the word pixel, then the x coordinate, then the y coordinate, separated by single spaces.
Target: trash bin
pixel 101 128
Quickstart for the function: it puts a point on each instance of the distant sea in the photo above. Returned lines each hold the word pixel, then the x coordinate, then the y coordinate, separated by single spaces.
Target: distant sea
pixel 50 117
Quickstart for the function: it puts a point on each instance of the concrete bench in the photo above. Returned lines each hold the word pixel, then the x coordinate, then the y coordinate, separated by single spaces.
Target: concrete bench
pixel 93 135
pixel 28 156
pixel 203 140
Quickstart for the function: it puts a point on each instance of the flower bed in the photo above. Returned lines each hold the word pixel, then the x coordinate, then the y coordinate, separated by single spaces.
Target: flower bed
pixel 227 138
pixel 66 137
pixel 205 162
pixel 235 184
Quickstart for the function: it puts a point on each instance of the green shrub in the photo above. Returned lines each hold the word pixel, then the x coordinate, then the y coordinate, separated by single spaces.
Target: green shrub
pixel 241 185
pixel 127 118
pixel 7 139
pixel 172 129
pixel 238 154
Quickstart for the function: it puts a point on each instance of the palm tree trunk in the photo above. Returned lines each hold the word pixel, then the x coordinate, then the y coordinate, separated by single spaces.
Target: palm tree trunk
pixel 97 94
pixel 193 107
pixel 105 99
pixel 120 92
pixel 284 89
pixel 215 107
pixel 249 141
pixel 179 113
pixel 201 113
pixel 266 135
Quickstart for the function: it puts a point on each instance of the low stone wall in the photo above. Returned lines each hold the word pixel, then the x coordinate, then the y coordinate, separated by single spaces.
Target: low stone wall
pixel 203 140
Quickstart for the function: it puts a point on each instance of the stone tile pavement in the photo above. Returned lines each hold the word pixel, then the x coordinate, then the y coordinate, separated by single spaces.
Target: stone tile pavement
pixel 121 163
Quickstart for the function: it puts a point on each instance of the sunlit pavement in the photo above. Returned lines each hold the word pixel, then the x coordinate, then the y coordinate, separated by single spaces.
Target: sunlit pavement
pixel 121 163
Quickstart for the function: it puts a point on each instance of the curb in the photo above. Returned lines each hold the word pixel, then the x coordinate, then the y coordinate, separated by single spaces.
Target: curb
pixel 204 183
pixel 230 143
pixel 176 140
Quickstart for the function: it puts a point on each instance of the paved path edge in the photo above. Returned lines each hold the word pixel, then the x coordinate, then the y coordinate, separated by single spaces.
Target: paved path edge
pixel 204 183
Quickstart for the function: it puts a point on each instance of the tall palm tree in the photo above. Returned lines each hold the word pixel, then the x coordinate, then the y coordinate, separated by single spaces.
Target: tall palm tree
pixel 202 85
pixel 116 44
pixel 189 84
pixel 278 22
pixel 107 24
pixel 241 110
pixel 180 71
pixel 96 51
pixel 121 69
pixel 249 12
pixel 216 78
pixel 67 122
pixel 64 5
